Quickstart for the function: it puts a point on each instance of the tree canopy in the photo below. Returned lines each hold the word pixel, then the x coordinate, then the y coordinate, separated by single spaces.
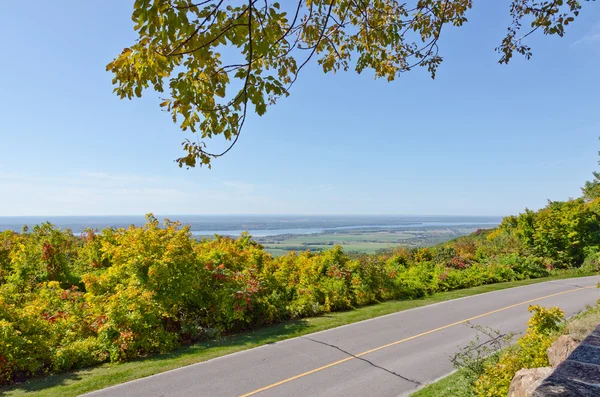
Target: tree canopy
pixel 216 60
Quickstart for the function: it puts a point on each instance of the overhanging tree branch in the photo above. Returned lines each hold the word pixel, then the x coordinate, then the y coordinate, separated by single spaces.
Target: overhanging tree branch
pixel 219 57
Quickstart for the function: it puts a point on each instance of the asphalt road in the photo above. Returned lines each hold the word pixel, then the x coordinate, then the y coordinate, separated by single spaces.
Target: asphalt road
pixel 391 355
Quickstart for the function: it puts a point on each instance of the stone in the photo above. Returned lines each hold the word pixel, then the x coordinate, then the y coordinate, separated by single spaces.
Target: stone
pixel 586 354
pixel 560 350
pixel 581 372
pixel 565 388
pixel 592 340
pixel 527 380
pixel 578 375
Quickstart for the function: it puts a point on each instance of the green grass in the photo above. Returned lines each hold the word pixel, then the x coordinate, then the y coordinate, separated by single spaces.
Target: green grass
pixel 82 381
pixel 453 385
pixel 347 237
pixel 276 252
pixel 357 241
pixel 358 246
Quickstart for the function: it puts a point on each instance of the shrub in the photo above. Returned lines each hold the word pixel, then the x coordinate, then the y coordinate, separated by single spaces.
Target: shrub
pixel 417 281
pixel 478 355
pixel 71 301
pixel 523 266
pixel 591 264
pixel 529 352
pixel 79 354
pixel 24 351
pixel 422 255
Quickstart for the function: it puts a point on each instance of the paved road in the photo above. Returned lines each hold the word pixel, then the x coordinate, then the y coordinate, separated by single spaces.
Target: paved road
pixel 386 356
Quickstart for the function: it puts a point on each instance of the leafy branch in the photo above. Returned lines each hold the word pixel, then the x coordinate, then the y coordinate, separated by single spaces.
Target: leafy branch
pixel 217 57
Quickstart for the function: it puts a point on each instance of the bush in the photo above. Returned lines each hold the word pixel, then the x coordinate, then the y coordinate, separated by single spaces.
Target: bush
pixel 529 352
pixel 79 354
pixel 71 301
pixel 478 355
pixel 524 266
pixel 591 264
pixel 24 351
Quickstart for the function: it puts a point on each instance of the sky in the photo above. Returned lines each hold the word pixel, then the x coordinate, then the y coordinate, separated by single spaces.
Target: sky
pixel 480 139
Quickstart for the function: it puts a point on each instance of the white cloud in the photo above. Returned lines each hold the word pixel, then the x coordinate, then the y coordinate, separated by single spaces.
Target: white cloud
pixel 8 175
pixel 240 185
pixel 322 186
pixel 108 193
pixel 116 177
pixel 593 36
pixel 104 193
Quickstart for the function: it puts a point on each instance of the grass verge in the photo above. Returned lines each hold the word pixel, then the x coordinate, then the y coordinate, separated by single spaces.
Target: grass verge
pixel 86 380
pixel 453 385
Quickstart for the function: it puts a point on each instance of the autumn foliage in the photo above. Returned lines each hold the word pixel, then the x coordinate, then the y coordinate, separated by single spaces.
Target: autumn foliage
pixel 71 301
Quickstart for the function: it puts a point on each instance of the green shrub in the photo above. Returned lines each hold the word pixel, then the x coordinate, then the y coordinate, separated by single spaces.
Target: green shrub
pixel 591 264
pixel 417 281
pixel 23 349
pixel 474 359
pixel 79 354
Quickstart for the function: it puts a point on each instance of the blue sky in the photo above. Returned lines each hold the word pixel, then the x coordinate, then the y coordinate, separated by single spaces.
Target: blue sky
pixel 481 139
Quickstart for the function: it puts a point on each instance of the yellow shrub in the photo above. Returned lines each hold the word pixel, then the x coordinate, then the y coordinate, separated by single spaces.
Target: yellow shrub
pixel 529 352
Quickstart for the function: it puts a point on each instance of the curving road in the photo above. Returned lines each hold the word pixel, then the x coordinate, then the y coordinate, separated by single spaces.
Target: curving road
pixel 386 356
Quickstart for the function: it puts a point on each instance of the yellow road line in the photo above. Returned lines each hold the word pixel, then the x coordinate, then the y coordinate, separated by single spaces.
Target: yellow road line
pixel 281 382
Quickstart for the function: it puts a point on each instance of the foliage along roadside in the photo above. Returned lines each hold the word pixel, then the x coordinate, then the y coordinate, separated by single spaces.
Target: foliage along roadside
pixel 69 301
pixel 528 352
pixel 489 372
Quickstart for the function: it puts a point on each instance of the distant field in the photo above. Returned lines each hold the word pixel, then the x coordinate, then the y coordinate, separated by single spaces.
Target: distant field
pixel 361 241
pixel 365 247
pixel 348 237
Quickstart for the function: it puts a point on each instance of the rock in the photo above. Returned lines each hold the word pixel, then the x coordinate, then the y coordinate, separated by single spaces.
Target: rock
pixel 581 372
pixel 586 354
pixel 527 380
pixel 565 388
pixel 560 350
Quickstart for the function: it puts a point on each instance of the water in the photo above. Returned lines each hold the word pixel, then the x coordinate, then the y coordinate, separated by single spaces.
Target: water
pixel 277 232
pixel 260 225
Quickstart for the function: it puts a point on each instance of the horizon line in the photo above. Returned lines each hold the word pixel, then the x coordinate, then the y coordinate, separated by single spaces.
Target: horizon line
pixel 248 214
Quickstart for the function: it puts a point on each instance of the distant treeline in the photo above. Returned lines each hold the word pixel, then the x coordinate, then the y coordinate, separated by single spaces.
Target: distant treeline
pixel 70 301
